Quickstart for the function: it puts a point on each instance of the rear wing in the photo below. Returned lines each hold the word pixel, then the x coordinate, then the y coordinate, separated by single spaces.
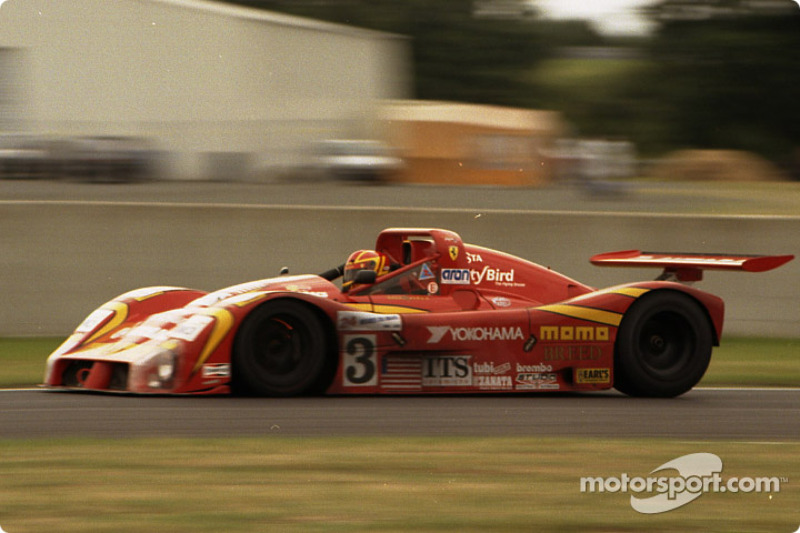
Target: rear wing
pixel 687 267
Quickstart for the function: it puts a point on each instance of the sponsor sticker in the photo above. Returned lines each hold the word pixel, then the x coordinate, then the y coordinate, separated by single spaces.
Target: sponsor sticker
pixel 363 321
pixel 573 333
pixel 491 368
pixel 490 333
pixel 216 370
pixel 447 371
pixel 494 382
pixel 592 375
pixel 501 301
pixel 536 377
pixel 474 258
pixel 455 276
pixel 426 273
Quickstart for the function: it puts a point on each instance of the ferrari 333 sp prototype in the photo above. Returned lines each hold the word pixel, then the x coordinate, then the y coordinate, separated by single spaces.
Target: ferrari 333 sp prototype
pixel 422 313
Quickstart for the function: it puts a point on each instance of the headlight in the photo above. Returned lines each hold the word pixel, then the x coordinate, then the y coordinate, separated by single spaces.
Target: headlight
pixel 167 363
pixel 165 368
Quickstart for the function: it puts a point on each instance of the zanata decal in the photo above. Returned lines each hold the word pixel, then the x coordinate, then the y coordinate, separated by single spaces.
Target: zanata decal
pixel 447 371
pixel 510 333
pixel 494 382
pixel 455 276
pixel 362 321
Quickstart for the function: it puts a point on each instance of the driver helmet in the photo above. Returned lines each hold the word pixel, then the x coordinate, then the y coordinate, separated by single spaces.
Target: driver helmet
pixel 364 260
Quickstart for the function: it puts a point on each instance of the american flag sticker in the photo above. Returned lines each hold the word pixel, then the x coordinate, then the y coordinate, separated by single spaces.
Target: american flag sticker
pixel 401 373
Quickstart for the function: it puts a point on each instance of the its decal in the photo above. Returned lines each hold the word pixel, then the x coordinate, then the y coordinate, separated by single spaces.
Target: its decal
pixel 592 375
pixel 573 333
pixel 447 371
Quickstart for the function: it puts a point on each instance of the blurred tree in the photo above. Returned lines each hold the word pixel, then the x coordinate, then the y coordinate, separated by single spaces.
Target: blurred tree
pixel 726 75
pixel 464 50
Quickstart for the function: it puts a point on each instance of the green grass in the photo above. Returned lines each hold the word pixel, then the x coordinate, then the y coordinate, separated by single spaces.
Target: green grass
pixel 739 362
pixel 381 484
pixel 23 360
pixel 754 362
pixel 374 484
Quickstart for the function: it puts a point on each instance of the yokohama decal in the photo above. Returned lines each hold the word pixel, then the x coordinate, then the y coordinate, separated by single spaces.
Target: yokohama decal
pixel 511 333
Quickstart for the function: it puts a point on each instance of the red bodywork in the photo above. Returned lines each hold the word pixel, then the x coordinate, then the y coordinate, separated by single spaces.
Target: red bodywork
pixel 451 318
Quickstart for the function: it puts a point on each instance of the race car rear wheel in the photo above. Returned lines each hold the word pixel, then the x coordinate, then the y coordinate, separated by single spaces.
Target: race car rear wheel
pixel 281 350
pixel 663 346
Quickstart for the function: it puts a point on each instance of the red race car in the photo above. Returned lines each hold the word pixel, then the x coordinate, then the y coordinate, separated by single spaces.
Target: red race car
pixel 421 313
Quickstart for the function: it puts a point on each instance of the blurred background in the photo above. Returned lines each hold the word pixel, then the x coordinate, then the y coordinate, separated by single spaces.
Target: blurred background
pixel 552 129
pixel 515 92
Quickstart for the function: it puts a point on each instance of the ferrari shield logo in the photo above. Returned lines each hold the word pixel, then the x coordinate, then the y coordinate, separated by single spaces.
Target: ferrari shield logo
pixel 453 252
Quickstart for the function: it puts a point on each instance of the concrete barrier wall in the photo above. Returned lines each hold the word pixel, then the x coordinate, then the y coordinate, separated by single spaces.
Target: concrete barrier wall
pixel 61 260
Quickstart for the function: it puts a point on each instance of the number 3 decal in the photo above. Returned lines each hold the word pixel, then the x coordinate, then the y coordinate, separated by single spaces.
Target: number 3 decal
pixel 360 368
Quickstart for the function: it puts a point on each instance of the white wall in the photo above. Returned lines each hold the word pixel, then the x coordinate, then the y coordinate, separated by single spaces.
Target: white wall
pixel 199 76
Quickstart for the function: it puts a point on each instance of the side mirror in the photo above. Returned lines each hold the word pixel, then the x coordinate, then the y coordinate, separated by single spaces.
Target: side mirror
pixel 365 277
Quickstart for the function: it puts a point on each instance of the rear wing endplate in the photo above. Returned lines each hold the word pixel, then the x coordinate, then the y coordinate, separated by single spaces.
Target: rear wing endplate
pixel 687 267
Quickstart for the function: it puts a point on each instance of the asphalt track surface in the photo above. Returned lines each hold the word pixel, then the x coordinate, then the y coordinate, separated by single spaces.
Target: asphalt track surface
pixel 751 415
pixel 754 415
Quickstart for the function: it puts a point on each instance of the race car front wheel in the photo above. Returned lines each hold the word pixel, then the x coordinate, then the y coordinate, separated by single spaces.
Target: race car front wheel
pixel 663 346
pixel 281 350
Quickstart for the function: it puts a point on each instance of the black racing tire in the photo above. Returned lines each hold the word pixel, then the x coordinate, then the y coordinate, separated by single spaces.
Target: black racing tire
pixel 282 349
pixel 663 346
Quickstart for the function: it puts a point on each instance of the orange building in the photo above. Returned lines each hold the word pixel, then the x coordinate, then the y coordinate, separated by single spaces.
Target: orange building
pixel 468 144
